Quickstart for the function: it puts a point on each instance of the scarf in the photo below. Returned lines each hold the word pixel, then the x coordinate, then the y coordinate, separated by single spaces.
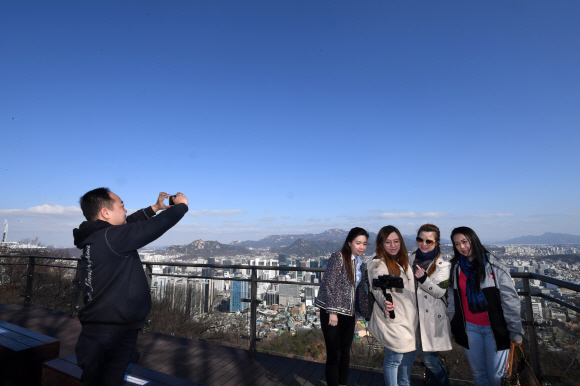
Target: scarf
pixel 423 259
pixel 475 298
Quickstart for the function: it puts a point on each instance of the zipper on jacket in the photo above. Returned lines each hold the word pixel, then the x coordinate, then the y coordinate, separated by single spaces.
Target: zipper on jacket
pixel 461 304
pixel 487 313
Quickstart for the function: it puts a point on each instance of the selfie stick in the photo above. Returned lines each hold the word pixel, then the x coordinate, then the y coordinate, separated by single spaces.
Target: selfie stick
pixel 390 300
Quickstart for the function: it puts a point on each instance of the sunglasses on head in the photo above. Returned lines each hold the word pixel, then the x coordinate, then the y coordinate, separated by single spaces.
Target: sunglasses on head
pixel 421 241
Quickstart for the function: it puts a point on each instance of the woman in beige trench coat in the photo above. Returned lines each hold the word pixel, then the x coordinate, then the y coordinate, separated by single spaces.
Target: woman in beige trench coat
pixel 432 273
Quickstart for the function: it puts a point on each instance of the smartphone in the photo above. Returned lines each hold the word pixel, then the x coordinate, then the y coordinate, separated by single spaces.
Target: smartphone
pixel 171 200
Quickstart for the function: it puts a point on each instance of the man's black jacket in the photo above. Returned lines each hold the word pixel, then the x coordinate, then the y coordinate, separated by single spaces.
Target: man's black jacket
pixel 115 289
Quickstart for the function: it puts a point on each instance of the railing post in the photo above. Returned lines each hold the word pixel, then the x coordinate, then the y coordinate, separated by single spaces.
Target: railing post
pixel 531 329
pixel 78 292
pixel 253 309
pixel 29 280
pixel 188 295
pixel 149 274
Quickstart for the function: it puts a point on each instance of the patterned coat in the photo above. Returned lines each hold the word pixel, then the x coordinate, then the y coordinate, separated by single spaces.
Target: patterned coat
pixel 337 294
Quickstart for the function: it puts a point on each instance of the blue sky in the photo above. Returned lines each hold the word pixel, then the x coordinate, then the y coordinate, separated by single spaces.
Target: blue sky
pixel 281 117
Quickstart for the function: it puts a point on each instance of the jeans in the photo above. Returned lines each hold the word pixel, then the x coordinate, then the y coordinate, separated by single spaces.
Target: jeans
pixel 338 340
pixel 397 367
pixel 487 365
pixel 435 371
pixel 104 356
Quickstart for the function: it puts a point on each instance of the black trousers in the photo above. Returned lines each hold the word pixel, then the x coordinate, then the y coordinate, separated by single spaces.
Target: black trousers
pixel 338 340
pixel 104 356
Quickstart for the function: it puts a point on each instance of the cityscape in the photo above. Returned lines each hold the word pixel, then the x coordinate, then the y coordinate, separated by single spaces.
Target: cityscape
pixel 290 307
pixel 202 290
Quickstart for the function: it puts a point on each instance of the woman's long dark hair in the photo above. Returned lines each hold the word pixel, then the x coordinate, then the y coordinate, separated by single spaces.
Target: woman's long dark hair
pixel 402 258
pixel 432 228
pixel 477 252
pixel 347 252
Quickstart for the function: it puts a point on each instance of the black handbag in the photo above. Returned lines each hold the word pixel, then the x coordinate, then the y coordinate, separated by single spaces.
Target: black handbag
pixel 518 371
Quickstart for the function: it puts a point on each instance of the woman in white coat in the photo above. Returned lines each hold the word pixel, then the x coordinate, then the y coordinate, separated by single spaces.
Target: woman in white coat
pixel 396 334
pixel 432 272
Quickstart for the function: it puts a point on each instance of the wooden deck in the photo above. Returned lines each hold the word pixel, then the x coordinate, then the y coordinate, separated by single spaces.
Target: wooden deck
pixel 199 361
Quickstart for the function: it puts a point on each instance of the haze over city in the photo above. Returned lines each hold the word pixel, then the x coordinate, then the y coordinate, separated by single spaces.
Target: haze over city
pixel 293 117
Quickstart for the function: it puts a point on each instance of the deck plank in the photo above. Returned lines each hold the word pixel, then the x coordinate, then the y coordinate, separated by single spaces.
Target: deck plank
pixel 288 373
pixel 203 366
pixel 270 376
pixel 257 366
pixel 316 376
pixel 353 377
pixel 201 361
pixel 301 376
pixel 378 380
pixel 365 378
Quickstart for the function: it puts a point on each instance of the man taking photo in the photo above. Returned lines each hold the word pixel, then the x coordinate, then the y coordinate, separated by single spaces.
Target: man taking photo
pixel 115 290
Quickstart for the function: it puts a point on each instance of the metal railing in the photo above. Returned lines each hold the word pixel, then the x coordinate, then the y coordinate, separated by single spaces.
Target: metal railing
pixel 253 280
pixel 529 322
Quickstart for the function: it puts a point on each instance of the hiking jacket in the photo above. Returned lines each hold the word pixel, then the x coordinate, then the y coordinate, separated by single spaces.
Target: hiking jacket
pixel 503 305
pixel 115 289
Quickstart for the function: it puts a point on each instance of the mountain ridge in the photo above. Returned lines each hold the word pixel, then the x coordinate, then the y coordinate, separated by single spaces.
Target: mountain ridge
pixel 546 238
pixel 200 248
pixel 327 242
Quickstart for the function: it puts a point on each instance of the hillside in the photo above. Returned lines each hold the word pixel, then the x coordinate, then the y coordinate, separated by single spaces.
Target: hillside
pixel 200 248
pixel 286 240
pixel 305 248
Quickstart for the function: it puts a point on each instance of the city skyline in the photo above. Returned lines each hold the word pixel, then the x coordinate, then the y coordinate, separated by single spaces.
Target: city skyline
pixel 293 117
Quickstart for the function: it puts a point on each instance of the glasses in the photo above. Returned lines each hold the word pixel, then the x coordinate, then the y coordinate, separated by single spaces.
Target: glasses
pixel 421 241
pixel 394 242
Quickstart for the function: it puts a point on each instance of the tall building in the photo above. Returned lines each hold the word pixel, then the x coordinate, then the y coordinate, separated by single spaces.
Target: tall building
pixel 209 297
pixel 282 259
pixel 289 294
pixel 300 274
pixel 309 296
pixel 197 300
pixel 282 271
pixel 272 298
pixel 537 308
pixel 315 264
pixel 227 262
pixel 219 285
pixel 239 290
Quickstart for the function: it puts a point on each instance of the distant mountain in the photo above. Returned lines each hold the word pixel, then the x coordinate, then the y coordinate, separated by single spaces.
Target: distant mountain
pixel 286 240
pixel 337 236
pixel 546 238
pixel 200 248
pixel 301 245
pixel 307 248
